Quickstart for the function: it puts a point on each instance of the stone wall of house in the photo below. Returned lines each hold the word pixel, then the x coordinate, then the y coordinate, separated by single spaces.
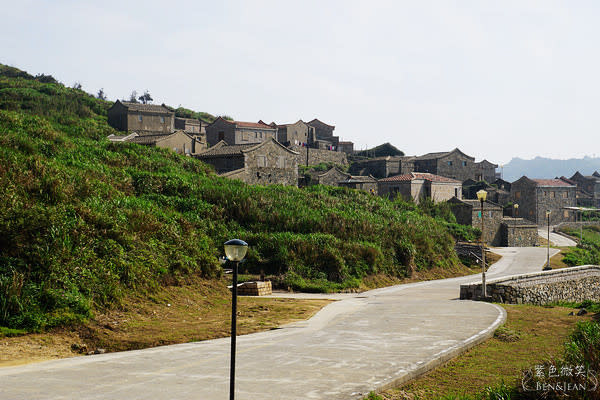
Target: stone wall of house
pixel 554 199
pixel 492 220
pixel 178 142
pixel 540 288
pixel 457 170
pixel 370 187
pixel 442 191
pixel 271 164
pixel 517 232
pixel 318 156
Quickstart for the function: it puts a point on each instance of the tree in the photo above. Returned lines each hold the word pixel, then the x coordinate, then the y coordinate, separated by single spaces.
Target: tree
pixel 145 98
pixel 101 95
pixel 133 97
pixel 77 86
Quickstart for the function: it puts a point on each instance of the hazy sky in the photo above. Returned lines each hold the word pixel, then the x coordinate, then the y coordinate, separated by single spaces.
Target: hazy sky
pixel 495 78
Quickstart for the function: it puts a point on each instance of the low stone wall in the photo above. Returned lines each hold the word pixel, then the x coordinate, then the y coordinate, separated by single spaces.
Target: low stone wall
pixel 318 156
pixel 576 225
pixel 568 284
pixel 517 232
pixel 256 288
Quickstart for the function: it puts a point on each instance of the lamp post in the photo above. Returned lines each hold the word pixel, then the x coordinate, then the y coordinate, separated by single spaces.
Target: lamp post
pixel 482 195
pixel 548 267
pixel 235 251
pixel 515 209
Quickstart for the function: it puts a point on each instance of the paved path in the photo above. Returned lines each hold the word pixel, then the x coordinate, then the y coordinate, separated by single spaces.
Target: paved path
pixel 556 239
pixel 350 347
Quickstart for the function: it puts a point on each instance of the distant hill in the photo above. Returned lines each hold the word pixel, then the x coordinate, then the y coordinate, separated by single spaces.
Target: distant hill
pixel 383 150
pixel 541 167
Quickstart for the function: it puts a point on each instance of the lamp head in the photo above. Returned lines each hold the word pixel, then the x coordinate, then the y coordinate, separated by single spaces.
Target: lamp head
pixel 481 195
pixel 548 212
pixel 235 249
pixel 516 205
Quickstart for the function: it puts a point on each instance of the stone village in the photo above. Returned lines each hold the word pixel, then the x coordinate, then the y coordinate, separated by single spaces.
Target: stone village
pixel 270 153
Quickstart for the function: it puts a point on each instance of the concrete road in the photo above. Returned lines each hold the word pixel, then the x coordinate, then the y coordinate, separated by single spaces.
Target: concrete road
pixel 555 238
pixel 370 341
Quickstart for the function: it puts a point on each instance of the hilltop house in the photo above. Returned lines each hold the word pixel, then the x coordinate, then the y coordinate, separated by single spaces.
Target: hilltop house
pixel 324 138
pixel 195 128
pixel 589 186
pixel 141 118
pixel 456 165
pixel 179 141
pixel 420 185
pixel 265 163
pixel 535 196
pixel 238 132
pixel 298 133
pixel 384 167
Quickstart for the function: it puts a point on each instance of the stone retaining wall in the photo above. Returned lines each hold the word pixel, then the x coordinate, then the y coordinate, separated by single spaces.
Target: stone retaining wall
pixel 256 288
pixel 568 284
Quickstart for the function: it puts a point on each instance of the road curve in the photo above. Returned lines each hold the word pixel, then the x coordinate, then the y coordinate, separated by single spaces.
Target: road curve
pixel 556 239
pixel 371 341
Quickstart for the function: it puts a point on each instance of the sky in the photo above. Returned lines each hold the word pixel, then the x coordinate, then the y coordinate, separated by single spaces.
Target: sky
pixel 497 79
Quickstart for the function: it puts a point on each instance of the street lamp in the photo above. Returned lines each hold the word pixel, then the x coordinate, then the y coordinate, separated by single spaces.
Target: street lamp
pixel 515 209
pixel 548 267
pixel 482 195
pixel 235 251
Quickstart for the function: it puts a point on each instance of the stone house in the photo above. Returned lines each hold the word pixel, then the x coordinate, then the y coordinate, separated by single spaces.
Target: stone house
pixel 420 185
pixel 456 165
pixel 535 196
pixel 588 185
pixel 238 132
pixel 324 133
pixel 195 128
pixel 485 171
pixel 332 177
pixel 265 163
pixel 298 133
pixel 141 118
pixel 468 212
pixel 179 141
pixel 366 183
pixel 383 167
pixel 346 147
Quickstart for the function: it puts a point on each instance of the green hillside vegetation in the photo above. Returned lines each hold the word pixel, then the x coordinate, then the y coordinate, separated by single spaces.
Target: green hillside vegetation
pixel 85 221
pixel 383 150
pixel 587 251
pixel 187 113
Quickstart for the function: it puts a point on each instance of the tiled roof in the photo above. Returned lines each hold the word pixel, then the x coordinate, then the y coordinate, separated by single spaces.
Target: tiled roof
pixel 148 139
pixel 217 151
pixel 252 125
pixel 431 156
pixel 155 108
pixel 321 122
pixel 419 175
pixel 551 182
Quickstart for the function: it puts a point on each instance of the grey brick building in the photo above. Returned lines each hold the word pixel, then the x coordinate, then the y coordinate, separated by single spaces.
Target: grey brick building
pixel 298 133
pixel 420 185
pixel 179 141
pixel 383 167
pixel 589 186
pixel 456 165
pixel 535 196
pixel 238 132
pixel 141 118
pixel 265 163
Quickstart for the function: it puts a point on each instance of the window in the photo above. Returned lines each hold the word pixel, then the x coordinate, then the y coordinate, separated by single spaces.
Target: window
pixel 245 136
pixel 261 161
pixel 565 214
pixel 281 162
pixel 517 195
pixel 140 117
pixel 162 120
pixel 566 195
pixel 449 163
pixel 553 194
pixel 464 163
pixel 221 136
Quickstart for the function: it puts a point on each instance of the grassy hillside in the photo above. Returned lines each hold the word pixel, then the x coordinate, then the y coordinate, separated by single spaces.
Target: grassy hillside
pixel 85 221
